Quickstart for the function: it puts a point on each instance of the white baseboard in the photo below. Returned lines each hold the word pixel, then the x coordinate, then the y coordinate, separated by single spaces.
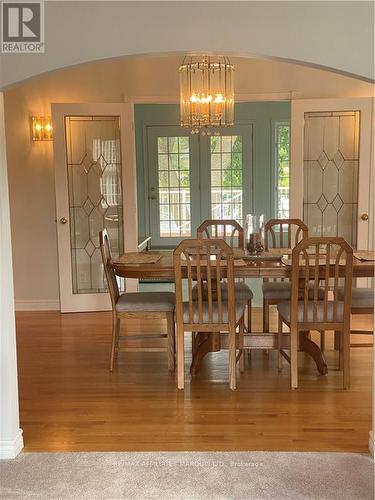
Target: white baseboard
pixel 37 305
pixel 11 448
pixel 371 444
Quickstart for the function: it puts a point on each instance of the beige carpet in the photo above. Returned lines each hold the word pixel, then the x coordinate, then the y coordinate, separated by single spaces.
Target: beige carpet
pixel 187 475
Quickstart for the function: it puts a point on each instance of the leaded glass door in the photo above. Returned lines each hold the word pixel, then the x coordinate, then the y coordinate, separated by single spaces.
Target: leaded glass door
pixel 90 196
pixel 331 183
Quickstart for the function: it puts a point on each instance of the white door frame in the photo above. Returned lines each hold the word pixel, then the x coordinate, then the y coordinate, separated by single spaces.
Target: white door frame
pixel 92 302
pixel 11 440
pixel 366 167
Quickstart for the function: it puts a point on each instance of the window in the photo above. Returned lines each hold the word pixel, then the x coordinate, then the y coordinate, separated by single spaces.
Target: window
pixel 174 186
pixel 281 156
pixel 226 177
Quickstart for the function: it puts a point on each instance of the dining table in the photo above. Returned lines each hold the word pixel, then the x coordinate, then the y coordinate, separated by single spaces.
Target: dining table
pixel 158 265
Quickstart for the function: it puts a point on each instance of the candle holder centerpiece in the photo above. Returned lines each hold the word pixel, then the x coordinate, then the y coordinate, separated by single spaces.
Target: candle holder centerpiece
pixel 254 225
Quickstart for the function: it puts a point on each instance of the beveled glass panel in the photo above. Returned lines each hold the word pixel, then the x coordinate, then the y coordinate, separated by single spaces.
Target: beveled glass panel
pixel 95 195
pixel 313 219
pixel 331 160
pixel 347 222
pixel 330 221
pixel 330 181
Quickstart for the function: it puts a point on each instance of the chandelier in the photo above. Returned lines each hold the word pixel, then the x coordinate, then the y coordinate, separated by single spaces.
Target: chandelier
pixel 206 93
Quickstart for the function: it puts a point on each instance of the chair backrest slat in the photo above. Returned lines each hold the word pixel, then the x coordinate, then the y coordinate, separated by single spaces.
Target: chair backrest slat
pixel 218 288
pixel 190 286
pixel 209 286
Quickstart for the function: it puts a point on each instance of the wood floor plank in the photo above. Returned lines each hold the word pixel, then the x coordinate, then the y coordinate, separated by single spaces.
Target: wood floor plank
pixel 69 401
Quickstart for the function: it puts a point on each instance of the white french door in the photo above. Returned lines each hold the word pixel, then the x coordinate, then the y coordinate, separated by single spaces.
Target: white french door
pixel 95 188
pixel 331 170
pixel 193 178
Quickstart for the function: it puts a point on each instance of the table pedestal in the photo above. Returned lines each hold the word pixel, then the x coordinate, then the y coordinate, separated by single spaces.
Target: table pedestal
pixel 214 342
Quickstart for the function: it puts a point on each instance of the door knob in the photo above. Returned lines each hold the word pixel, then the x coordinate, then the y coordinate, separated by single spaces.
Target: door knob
pixel 63 220
pixel 364 216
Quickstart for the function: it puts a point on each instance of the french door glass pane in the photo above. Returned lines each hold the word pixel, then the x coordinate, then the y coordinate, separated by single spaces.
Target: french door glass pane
pixel 174 186
pixel 226 177
pixel 282 144
pixel 95 195
pixel 331 162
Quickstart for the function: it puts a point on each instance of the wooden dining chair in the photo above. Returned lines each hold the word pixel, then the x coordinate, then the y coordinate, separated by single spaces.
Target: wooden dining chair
pixel 318 264
pixel 208 265
pixel 232 233
pixel 143 305
pixel 279 233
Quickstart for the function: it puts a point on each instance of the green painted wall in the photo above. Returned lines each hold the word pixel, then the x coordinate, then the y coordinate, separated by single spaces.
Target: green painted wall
pixel 260 114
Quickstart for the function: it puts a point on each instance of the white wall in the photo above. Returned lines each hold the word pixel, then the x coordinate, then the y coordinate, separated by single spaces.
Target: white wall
pixel 31 176
pixel 334 34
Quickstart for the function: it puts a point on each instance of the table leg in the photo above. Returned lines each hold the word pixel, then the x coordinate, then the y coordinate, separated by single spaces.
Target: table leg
pixel 308 346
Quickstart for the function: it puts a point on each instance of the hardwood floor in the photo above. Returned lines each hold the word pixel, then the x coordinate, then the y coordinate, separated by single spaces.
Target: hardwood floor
pixel 69 401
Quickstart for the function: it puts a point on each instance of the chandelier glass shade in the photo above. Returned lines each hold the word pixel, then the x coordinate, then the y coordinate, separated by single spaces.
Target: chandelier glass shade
pixel 206 93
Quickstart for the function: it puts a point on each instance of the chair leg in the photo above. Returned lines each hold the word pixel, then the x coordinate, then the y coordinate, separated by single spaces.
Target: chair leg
pixel 266 322
pixel 180 357
pixel 294 358
pixel 249 315
pixel 322 340
pixel 171 341
pixel 241 344
pixel 232 358
pixel 337 341
pixel 279 340
pixel 266 318
pixel 345 343
pixel 115 340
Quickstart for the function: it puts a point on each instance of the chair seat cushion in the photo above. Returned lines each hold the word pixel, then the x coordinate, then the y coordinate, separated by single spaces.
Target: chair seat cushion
pixel 284 311
pixel 241 291
pixel 362 298
pixel 281 290
pixel 146 302
pixel 240 309
pixel 276 290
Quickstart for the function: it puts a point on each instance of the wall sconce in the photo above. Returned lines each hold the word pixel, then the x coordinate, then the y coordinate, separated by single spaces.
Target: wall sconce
pixel 41 128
